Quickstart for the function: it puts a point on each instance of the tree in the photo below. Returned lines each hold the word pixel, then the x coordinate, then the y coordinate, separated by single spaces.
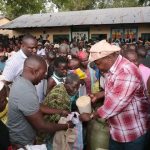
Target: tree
pixel 144 2
pixel 2 6
pixel 116 3
pixel 15 8
pixel 125 3
pixel 65 5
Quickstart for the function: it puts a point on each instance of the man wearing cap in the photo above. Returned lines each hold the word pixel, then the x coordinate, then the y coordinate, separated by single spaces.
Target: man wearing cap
pixel 126 105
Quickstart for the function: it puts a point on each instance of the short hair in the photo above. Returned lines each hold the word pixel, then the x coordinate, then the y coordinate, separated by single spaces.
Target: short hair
pixel 74 59
pixel 51 53
pixel 72 78
pixel 127 52
pixel 141 51
pixel 34 61
pixel 60 60
pixel 28 36
pixel 63 48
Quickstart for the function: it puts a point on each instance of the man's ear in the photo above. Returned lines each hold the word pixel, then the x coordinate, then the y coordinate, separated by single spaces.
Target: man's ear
pixel 35 72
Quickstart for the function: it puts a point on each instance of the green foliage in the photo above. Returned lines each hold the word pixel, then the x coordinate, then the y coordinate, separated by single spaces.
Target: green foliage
pixel 116 3
pixel 65 5
pixel 2 6
pixel 15 8
pixel 144 2
pixel 125 3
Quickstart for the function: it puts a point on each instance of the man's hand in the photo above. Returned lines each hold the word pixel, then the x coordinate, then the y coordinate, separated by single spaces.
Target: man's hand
pixel 85 117
pixel 49 111
pixel 95 97
pixel 65 113
pixel 70 124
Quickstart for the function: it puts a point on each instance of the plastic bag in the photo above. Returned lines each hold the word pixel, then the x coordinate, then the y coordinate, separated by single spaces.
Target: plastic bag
pixel 35 147
pixel 78 144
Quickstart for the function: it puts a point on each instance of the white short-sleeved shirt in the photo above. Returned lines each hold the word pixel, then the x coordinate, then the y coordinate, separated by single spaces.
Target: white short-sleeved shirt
pixel 14 66
pixel 41 52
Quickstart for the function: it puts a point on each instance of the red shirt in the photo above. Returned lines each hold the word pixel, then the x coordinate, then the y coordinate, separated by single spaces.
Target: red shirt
pixel 126 105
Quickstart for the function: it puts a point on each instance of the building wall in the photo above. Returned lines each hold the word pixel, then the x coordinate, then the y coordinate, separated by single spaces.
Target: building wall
pixel 5 32
pixel 39 31
pixel 61 30
pixel 102 29
pixel 143 28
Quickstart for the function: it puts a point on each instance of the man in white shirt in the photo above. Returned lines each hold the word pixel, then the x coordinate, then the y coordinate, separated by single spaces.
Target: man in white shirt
pixel 40 50
pixel 14 64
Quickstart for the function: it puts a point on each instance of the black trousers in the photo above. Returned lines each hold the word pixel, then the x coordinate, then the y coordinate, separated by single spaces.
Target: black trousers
pixel 4 136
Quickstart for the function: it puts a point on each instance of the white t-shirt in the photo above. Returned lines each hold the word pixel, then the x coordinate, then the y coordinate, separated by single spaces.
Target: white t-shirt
pixel 41 52
pixel 14 66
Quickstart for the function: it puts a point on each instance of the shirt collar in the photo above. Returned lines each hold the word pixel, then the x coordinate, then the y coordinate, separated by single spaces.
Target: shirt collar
pixel 23 54
pixel 60 79
pixel 115 65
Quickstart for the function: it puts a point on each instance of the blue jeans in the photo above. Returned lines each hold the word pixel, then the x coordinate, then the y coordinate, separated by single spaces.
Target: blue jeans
pixel 139 144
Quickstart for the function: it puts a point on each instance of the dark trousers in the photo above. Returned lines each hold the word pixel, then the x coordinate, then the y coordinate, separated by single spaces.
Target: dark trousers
pixel 4 137
pixel 142 143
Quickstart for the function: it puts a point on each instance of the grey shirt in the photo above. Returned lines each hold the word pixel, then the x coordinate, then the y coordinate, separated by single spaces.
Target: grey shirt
pixel 23 101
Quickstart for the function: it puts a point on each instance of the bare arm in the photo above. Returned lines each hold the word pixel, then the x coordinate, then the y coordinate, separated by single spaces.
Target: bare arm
pixel 50 84
pixel 36 120
pixel 46 110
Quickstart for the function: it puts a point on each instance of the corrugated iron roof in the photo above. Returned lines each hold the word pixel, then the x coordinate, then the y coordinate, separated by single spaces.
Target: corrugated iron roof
pixel 2 17
pixel 85 17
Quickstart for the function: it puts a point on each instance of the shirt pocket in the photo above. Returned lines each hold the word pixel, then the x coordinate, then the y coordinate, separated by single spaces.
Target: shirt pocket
pixel 110 82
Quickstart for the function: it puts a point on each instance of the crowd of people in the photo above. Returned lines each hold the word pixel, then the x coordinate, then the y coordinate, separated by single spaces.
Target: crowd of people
pixel 43 80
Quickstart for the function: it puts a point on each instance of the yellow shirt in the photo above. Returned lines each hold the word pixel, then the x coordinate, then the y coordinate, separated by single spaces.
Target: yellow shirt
pixel 3 115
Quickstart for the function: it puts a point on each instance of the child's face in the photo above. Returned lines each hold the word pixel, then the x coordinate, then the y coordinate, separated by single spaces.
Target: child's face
pixel 3 101
pixel 62 69
pixel 73 65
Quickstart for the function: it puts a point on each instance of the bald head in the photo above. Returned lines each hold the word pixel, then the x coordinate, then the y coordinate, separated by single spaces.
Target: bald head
pixel 62 51
pixel 28 37
pixel 34 69
pixel 29 44
pixel 35 62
